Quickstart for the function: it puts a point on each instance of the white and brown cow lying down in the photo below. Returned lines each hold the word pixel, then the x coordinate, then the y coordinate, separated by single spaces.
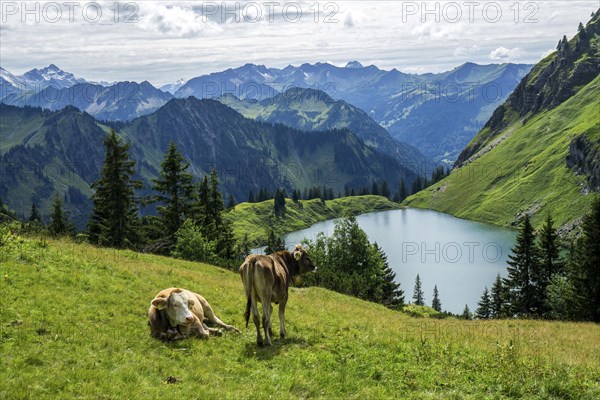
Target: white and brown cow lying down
pixel 266 279
pixel 176 314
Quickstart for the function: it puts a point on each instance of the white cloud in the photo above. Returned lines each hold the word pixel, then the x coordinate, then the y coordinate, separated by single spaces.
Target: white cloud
pixel 504 54
pixel 464 51
pixel 171 40
pixel 176 20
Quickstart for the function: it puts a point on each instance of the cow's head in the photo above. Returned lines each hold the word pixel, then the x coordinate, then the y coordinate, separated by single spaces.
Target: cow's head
pixel 178 307
pixel 304 262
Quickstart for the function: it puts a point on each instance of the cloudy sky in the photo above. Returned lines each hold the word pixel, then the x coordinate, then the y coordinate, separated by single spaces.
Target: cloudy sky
pixel 164 41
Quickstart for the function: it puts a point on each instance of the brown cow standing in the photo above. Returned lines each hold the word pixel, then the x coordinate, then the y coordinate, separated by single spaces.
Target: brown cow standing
pixel 266 279
pixel 178 314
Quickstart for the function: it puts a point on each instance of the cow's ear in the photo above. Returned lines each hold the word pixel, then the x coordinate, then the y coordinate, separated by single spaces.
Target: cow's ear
pixel 160 303
pixel 297 255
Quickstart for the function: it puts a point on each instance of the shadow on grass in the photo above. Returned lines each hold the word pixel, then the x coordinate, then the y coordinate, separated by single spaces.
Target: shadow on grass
pixel 252 350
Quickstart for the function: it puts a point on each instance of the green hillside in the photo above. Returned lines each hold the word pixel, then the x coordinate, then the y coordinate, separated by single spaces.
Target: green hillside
pixel 73 325
pixel 518 163
pixel 254 219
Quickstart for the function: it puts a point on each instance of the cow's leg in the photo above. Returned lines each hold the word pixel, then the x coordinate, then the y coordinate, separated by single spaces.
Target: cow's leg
pixel 212 331
pixel 210 314
pixel 267 309
pixel 256 318
pixel 198 328
pixel 282 317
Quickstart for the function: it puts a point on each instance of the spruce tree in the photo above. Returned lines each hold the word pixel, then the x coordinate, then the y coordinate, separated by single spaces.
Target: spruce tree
pixel 374 189
pixel 418 295
pixel 274 243
pixel 549 251
pixel 279 203
pixel 215 204
pixel 218 229
pixel 522 272
pixel 585 267
pixel 402 192
pixel 34 215
pixel 175 189
pixel 498 299
pixel 296 196
pixel 199 207
pixel 385 190
pixel 250 196
pixel 550 262
pixel 392 296
pixel 436 304
pixel 114 220
pixel 417 185
pixel 467 313
pixel 58 222
pixel 484 306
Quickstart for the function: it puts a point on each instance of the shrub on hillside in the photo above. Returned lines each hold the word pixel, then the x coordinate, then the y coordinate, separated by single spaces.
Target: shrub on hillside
pixel 191 245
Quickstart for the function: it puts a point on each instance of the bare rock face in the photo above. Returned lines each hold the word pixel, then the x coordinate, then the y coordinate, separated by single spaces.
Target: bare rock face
pixel 584 159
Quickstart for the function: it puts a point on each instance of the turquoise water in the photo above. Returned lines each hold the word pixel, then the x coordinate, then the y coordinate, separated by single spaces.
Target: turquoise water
pixel 461 257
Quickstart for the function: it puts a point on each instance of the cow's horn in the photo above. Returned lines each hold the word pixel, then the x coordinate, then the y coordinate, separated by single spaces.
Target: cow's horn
pixel 297 255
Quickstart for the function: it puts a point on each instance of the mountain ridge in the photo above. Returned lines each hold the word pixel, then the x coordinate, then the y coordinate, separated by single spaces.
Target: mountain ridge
pixel 45 152
pixel 534 155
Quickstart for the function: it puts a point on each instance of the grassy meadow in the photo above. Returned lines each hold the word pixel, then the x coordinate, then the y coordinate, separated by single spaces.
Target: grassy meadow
pixel 73 325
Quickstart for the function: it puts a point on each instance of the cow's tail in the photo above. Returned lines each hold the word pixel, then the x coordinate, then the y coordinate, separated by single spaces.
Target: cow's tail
pixel 248 283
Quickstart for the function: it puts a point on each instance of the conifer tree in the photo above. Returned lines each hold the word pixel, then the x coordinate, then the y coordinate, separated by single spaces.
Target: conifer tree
pixel 402 192
pixel 417 185
pixel 522 272
pixel 274 243
pixel 279 203
pixel 418 295
pixel 385 190
pixel 550 262
pixel 58 222
pixel 549 250
pixel 467 313
pixel 374 189
pixel 114 220
pixel 175 189
pixel 392 295
pixel 250 196
pixel 484 306
pixel 34 215
pixel 498 298
pixel 436 304
pixel 585 267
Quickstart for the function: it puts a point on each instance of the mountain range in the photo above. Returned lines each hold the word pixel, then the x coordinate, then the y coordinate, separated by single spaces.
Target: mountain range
pixel 314 110
pixel 44 152
pixel 435 113
pixel 539 153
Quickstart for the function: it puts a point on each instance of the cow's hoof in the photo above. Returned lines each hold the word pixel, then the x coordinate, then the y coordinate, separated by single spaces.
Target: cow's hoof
pixel 217 332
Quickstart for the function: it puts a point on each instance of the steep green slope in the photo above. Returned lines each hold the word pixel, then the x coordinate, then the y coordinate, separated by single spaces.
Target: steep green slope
pixel 527 158
pixel 254 219
pixel 73 325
